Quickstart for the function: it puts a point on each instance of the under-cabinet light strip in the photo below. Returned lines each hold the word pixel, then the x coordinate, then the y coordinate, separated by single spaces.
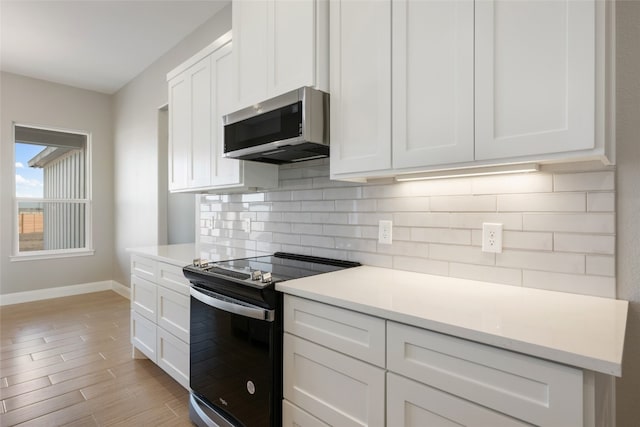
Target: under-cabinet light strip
pixel 492 170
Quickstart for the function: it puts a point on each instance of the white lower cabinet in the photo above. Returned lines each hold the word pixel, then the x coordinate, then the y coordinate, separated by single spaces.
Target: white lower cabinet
pixel 173 357
pixel 292 416
pixel 143 335
pixel 412 404
pixel 524 387
pixel 344 368
pixel 173 313
pixel 338 389
pixel 329 358
pixel 160 315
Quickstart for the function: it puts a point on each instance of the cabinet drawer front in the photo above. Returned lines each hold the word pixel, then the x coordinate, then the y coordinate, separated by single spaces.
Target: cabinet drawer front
pixel 173 313
pixel 171 276
pixel 355 334
pixel 412 404
pixel 143 297
pixel 143 335
pixel 534 390
pixel 338 389
pixel 292 416
pixel 173 357
pixel 143 267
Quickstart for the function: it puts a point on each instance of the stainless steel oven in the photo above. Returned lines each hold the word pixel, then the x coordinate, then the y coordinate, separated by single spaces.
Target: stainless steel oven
pixel 236 337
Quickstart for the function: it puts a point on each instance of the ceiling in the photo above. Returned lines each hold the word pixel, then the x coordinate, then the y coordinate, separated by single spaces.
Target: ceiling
pixel 93 44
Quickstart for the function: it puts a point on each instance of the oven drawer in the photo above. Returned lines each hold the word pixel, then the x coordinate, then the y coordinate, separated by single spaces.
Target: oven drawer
pixel 355 334
pixel 143 297
pixel 411 404
pixel 173 313
pixel 527 388
pixel 337 389
pixel 292 416
pixel 173 357
pixel 171 277
pixel 143 335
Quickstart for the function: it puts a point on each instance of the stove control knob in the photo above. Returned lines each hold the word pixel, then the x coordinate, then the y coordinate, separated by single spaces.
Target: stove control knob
pixel 266 277
pixel 256 275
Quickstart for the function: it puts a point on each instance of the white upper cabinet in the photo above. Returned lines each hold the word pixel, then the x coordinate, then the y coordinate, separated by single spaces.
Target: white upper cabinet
pixel 279 46
pixel 200 93
pixel 432 106
pixel 360 80
pixel 535 77
pixel 443 84
pixel 179 131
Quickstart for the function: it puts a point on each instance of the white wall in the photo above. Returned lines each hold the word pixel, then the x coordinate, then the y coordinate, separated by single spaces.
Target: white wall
pixel 136 145
pixel 628 203
pixel 30 101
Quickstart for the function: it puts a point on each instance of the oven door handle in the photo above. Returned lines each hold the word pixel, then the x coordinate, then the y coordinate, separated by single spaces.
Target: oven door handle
pixel 230 307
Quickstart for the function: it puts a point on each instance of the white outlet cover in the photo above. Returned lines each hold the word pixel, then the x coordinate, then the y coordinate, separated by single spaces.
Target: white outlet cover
pixel 385 232
pixel 492 237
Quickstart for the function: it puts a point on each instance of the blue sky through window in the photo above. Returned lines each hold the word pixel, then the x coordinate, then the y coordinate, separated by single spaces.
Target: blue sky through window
pixel 29 181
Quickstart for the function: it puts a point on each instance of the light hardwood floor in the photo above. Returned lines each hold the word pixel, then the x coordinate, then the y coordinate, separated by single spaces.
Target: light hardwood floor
pixel 67 361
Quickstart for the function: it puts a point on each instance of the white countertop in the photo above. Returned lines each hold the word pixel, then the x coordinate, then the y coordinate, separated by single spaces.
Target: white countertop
pixel 583 331
pixel 184 254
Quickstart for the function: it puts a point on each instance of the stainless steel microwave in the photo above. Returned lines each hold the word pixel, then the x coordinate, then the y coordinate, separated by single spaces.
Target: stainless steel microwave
pixel 292 127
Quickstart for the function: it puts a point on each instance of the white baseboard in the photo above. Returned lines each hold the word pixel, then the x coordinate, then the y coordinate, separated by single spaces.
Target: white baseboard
pixel 121 289
pixel 64 291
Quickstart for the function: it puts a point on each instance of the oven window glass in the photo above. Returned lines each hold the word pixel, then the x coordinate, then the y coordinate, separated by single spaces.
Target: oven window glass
pixel 276 125
pixel 231 363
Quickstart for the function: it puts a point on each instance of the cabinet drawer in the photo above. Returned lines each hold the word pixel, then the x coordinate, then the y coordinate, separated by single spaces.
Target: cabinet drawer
pixel 173 357
pixel 412 404
pixel 173 313
pixel 338 389
pixel 143 335
pixel 143 297
pixel 292 416
pixel 143 267
pixel 355 334
pixel 534 390
pixel 171 276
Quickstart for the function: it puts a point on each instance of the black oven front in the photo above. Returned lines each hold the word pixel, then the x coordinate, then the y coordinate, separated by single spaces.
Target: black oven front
pixel 235 361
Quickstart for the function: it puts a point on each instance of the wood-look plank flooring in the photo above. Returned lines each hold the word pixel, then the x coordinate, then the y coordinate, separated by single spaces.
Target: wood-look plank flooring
pixel 67 361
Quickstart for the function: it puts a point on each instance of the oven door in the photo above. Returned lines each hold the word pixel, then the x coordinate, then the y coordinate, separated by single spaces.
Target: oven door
pixel 232 359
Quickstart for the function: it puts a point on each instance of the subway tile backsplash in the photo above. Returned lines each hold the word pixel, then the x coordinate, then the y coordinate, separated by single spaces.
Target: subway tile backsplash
pixel 559 228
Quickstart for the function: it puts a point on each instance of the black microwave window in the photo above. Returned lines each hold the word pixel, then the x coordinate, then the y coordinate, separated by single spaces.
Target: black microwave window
pixel 277 125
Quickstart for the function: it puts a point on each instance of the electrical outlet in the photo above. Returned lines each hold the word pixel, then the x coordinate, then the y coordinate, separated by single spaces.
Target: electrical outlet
pixel 385 230
pixel 246 225
pixel 491 237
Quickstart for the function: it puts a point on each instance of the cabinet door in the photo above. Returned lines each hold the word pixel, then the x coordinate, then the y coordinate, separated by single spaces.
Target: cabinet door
pixel 143 297
pixel 535 77
pixel 179 132
pixel 292 416
pixel 143 335
pixel 360 81
pixel 173 313
pixel 227 171
pixel 535 390
pixel 291 59
pixel 337 389
pixel 432 82
pixel 173 357
pixel 412 404
pixel 200 125
pixel 250 41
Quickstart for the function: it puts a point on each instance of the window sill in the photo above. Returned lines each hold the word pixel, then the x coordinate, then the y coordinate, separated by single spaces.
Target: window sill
pixel 69 253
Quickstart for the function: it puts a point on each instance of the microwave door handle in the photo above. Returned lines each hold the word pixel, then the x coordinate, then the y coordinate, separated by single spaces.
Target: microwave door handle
pixel 241 310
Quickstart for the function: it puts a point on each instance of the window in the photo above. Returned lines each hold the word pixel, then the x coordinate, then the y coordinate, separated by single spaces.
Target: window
pixel 52 193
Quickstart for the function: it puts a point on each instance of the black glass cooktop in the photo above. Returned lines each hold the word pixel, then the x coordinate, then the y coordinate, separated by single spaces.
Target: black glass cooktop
pixel 263 271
